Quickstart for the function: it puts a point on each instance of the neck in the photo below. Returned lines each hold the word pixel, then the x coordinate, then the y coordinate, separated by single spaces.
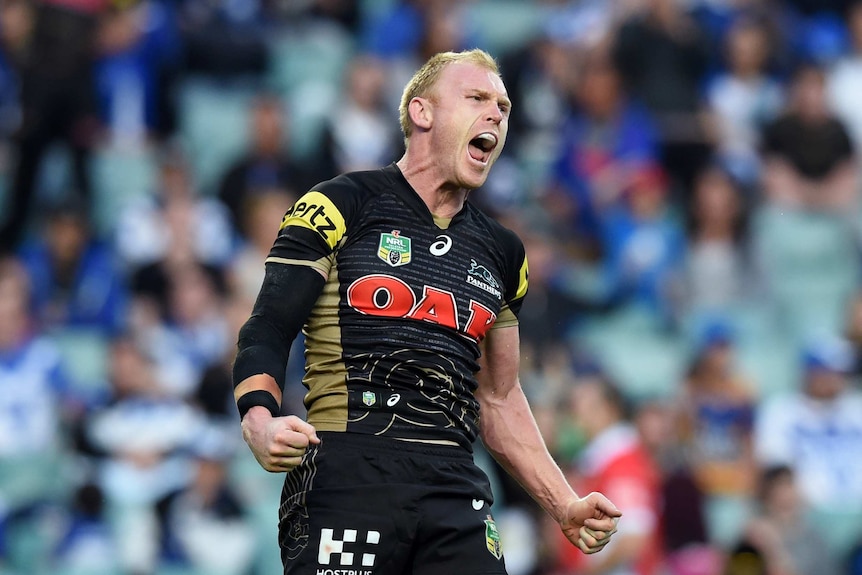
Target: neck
pixel 443 198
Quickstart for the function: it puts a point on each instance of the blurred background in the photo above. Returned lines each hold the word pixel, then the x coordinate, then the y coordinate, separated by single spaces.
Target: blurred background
pixel 685 175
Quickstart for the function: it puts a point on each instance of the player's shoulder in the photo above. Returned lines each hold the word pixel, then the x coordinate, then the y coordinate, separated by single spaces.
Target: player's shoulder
pixel 356 185
pixel 507 239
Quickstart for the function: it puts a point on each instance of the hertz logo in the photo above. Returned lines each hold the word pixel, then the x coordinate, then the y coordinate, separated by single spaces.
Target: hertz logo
pixel 316 212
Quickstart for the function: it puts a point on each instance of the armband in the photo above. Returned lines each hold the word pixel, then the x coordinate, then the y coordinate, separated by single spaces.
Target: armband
pixel 257 397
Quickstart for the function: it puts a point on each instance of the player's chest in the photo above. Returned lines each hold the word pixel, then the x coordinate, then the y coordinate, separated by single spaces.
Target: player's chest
pixel 403 268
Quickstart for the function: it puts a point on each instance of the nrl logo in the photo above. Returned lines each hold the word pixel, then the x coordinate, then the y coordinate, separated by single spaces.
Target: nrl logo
pixel 369 398
pixel 394 249
pixel 492 538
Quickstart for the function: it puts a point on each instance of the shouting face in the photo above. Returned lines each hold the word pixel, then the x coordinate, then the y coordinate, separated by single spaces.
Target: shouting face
pixel 468 118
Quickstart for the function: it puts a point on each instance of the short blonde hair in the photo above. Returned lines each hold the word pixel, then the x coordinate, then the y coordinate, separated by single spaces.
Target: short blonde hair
pixel 422 82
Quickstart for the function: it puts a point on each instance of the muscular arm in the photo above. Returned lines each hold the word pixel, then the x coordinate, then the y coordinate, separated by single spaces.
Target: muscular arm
pixel 511 435
pixel 286 298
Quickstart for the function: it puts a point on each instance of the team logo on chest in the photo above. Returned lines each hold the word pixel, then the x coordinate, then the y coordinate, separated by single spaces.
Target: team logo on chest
pixel 481 277
pixel 394 249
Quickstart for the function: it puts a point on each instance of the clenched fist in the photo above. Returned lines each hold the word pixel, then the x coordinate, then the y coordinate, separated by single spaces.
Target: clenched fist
pixel 589 522
pixel 278 443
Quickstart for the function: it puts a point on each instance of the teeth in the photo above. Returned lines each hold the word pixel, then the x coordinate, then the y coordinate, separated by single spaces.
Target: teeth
pixel 488 140
pixel 488 137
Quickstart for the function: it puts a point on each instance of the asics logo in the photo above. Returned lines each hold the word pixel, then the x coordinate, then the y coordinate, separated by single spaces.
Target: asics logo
pixel 441 246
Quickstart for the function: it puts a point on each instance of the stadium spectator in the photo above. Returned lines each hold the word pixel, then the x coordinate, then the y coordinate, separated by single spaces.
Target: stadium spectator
pixel 716 408
pixel 192 335
pixel 141 434
pixel 615 462
pixel 225 40
pixel 809 159
pixel 780 531
pixel 139 56
pixel 668 79
pixel 57 103
pixel 606 144
pixel 268 164
pixel 644 247
pixel 411 31
pixel 719 270
pixel 744 97
pixel 262 216
pixel 818 430
pixel 32 392
pixel 539 77
pixel 86 543
pixel 176 223
pixel 204 526
pixel 75 280
pixel 359 135
pixel 687 547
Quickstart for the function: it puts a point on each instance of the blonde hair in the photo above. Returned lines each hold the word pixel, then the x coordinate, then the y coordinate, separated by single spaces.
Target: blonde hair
pixel 423 81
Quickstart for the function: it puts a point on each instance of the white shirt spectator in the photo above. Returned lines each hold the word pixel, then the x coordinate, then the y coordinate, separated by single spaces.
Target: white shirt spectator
pixel 30 383
pixel 821 441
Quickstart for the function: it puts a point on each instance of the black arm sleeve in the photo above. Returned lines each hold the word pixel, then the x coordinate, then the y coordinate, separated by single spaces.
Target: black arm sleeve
pixel 286 298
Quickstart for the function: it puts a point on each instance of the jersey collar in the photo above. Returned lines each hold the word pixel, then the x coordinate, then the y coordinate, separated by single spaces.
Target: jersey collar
pixel 405 191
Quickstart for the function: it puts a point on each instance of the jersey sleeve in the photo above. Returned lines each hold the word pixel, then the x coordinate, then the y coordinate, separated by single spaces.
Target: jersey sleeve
pixel 516 281
pixel 314 227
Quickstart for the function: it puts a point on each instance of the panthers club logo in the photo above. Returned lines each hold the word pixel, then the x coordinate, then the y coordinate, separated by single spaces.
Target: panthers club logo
pixel 394 249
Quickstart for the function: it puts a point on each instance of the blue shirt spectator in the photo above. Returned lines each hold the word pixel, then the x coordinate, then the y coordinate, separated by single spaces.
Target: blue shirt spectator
pixel 644 246
pixel 74 280
pixel 604 143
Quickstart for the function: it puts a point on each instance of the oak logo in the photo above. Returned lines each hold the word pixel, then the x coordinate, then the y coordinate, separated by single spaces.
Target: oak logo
pixel 331 548
pixel 387 296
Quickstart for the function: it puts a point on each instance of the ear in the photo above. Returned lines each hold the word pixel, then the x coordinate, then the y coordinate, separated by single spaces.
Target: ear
pixel 421 113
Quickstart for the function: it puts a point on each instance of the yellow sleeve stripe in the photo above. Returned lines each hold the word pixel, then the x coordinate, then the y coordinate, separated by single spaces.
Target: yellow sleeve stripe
pixel 317 212
pixel 322 265
pixel 524 274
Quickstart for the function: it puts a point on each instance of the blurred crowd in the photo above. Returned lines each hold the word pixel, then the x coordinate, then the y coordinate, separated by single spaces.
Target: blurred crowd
pixel 685 175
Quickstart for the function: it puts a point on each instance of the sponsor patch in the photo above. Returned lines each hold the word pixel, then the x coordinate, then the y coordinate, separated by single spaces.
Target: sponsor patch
pixel 369 398
pixel 345 552
pixel 316 212
pixel 492 538
pixel 394 249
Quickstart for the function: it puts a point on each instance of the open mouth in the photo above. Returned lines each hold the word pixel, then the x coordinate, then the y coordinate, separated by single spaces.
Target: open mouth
pixel 481 146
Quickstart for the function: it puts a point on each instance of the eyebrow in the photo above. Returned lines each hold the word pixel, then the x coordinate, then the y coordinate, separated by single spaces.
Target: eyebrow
pixel 486 94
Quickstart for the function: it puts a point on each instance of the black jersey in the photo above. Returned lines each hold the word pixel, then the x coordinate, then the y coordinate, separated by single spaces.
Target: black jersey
pixel 392 342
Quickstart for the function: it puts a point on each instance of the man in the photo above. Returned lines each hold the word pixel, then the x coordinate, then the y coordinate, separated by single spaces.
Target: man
pixel 409 299
pixel 817 430
pixel 616 463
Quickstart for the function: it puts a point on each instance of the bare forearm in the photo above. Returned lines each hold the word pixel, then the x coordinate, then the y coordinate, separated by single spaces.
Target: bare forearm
pixel 511 435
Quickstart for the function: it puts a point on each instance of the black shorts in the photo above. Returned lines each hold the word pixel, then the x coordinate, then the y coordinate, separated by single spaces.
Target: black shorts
pixel 365 505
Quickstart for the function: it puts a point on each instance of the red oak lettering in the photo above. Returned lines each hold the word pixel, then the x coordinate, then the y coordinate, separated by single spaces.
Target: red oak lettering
pixel 388 296
pixel 381 295
pixel 436 306
pixel 481 320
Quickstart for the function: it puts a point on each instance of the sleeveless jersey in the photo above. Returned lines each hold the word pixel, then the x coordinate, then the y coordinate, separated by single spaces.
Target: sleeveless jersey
pixel 392 342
